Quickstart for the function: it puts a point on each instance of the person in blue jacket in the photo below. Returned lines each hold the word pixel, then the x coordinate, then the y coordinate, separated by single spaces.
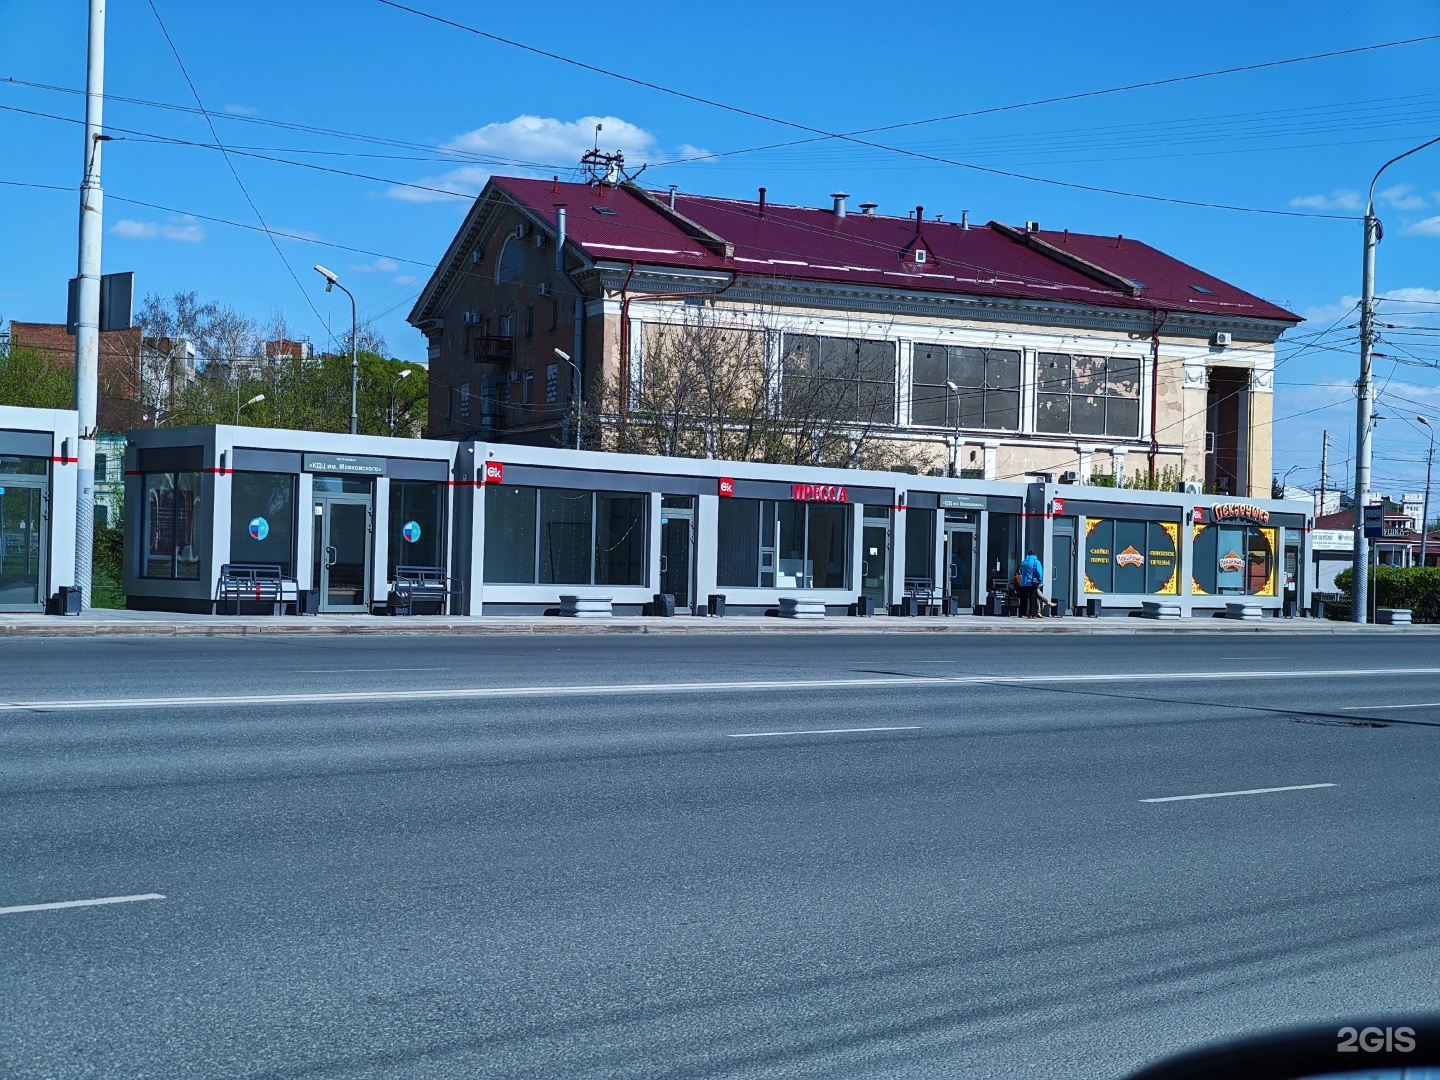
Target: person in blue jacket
pixel 1032 577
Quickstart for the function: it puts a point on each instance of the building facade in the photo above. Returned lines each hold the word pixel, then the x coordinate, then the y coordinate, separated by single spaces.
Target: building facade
pixel 987 352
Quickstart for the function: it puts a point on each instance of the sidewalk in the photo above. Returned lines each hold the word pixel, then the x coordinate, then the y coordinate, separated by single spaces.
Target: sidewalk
pixel 112 623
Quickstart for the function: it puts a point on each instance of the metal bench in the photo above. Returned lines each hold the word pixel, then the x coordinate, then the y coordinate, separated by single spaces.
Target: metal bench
pixel 921 597
pixel 422 584
pixel 254 582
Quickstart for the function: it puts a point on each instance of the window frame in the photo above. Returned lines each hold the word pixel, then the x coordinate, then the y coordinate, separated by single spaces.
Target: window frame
pixel 849 383
pixel 148 525
pixel 768 530
pixel 1044 392
pixel 954 357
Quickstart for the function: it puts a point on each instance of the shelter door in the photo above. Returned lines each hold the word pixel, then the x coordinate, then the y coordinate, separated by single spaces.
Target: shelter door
pixel 23 528
pixel 1062 564
pixel 677 550
pixel 343 531
pixel 961 563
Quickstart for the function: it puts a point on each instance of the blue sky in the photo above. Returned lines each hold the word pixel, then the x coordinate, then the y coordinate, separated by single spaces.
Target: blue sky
pixel 1304 137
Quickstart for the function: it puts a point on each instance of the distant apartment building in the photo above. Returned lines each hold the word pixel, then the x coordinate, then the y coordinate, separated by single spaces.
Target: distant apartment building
pixel 986 351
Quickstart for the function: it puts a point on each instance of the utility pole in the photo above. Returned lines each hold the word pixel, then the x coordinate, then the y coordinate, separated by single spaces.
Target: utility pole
pixel 1425 512
pixel 1364 403
pixel 1324 462
pixel 87 313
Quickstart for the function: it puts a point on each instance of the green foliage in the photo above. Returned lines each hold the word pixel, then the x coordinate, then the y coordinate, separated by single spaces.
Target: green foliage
pixel 1168 478
pixel 309 395
pixel 107 578
pixel 1413 587
pixel 33 379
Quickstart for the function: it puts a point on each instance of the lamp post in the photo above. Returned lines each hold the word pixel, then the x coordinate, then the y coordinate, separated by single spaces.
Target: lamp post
pixel 1425 513
pixel 253 401
pixel 331 281
pixel 398 379
pixel 955 455
pixel 575 397
pixel 1364 392
pixel 1285 480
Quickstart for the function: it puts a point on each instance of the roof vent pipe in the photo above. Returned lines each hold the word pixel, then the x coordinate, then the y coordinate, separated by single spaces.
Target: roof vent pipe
pixel 919 217
pixel 560 239
pixel 965 220
pixel 839 197
pixel 868 207
pixel 672 196
pixel 762 202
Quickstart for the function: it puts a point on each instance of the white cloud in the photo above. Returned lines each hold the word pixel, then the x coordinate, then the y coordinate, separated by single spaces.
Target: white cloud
pixel 407 279
pixel 296 234
pixel 1404 197
pixel 1426 227
pixel 242 110
pixel 182 228
pixel 381 265
pixel 1391 301
pixel 534 145
pixel 1337 200
pixel 1413 296
pixel 693 152
pixel 129 229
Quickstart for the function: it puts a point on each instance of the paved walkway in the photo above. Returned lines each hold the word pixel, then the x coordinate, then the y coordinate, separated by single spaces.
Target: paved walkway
pixel 105 623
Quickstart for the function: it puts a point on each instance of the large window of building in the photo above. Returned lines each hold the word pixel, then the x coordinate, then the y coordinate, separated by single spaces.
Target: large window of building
pixel 417 524
pixel 564 536
pixel 171 525
pixel 783 545
pixel 845 379
pixel 987 387
pixel 1131 556
pixel 1234 560
pixel 262 519
pixel 1088 395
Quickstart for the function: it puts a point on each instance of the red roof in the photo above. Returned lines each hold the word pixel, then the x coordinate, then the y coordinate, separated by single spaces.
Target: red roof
pixel 811 244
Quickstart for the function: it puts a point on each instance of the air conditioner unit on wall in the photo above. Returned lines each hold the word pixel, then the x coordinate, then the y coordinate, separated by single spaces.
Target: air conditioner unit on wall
pixel 1220 338
pixel 1188 487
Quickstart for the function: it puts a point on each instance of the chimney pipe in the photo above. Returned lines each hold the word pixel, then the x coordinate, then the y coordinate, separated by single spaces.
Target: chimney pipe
pixel 555 185
pixel 559 238
pixel 965 220
pixel 919 217
pixel 868 207
pixel 762 202
pixel 839 197
pixel 672 196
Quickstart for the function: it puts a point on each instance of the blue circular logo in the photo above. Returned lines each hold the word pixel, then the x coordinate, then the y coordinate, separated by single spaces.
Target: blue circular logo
pixel 411 531
pixel 259 528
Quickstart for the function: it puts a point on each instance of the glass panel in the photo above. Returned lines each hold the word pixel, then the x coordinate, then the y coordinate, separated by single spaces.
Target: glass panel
pixel 767 544
pixel 21 528
pixel 1123 417
pixel 1124 377
pixel 1003 558
pixel 1089 374
pixel 1099 554
pixel 929 405
pixel 1002 409
pixel 187 526
pixel 677 548
pixel 1260 558
pixel 827 546
pixel 345 579
pixel 971 403
pixel 875 556
pixel 930 364
pixel 1202 582
pixel 1053 373
pixel 159 525
pixel 566 529
pixel 417 518
pixel 22 466
pixel 1002 372
pixel 348 485
pixel 1087 415
pixel 967 367
pixel 262 519
pixel 1230 547
pixel 509 534
pixel 791 571
pixel 920 545
pixel 1052 413
pixel 620 539
pixel 959 568
pixel 1129 557
pixel 1161 557
pixel 738 543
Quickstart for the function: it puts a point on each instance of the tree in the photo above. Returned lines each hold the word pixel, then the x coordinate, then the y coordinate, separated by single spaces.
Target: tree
pixel 33 379
pixel 709 388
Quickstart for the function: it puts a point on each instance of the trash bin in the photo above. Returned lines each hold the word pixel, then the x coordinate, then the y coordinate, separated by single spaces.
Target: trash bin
pixel 665 605
pixel 864 606
pixel 997 603
pixel 1292 607
pixel 66 600
pixel 307 602
pixel 1092 607
pixel 716 604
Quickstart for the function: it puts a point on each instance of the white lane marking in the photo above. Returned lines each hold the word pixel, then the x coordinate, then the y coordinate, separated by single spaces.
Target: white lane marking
pixel 612 689
pixel 81 903
pixel 826 731
pixel 1367 708
pixel 1249 791
pixel 348 670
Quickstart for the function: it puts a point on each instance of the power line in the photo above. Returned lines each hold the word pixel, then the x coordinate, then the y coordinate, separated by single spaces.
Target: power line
pixel 822 134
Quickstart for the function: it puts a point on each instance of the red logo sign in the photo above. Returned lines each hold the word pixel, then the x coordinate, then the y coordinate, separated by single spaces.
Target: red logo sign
pixel 1232 563
pixel 1199 514
pixel 1059 506
pixel 1241 512
pixel 494 472
pixel 1130 557
pixel 727 486
pixel 834 493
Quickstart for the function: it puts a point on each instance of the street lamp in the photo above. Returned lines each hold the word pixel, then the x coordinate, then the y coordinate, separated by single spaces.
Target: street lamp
pixel 253 401
pixel 955 457
pixel 575 397
pixel 1285 480
pixel 1365 392
pixel 1425 513
pixel 331 281
pixel 398 378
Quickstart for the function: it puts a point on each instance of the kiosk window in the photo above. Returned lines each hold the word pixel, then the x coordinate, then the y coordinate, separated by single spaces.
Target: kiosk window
pixel 564 536
pixel 1234 560
pixel 417 523
pixel 1131 556
pixel 262 519
pixel 784 544
pixel 171 525
pixel 920 544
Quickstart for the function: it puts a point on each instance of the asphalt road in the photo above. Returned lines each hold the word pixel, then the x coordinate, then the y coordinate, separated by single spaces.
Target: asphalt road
pixel 476 865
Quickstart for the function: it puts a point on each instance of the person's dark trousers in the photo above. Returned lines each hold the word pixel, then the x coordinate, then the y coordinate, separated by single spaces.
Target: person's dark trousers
pixel 1029 601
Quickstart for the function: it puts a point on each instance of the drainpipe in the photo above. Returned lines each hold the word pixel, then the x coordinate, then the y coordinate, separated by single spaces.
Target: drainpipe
pixel 1157 323
pixel 560 238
